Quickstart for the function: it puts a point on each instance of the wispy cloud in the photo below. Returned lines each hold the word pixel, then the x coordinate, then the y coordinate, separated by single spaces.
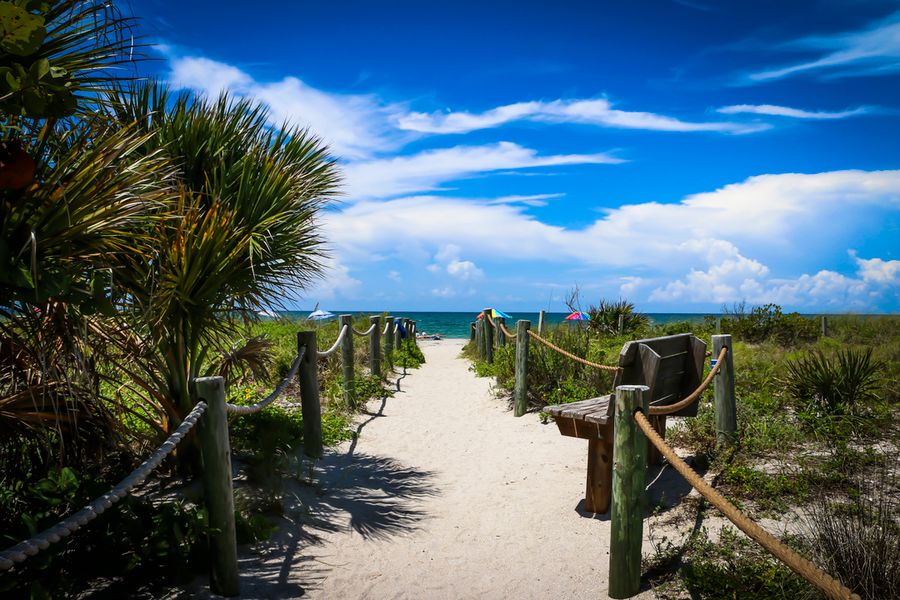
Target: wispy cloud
pixel 428 170
pixel 795 113
pixel 354 125
pixel 599 112
pixel 872 51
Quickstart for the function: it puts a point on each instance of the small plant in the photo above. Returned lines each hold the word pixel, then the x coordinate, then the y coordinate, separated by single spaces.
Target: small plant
pixel 409 355
pixel 833 385
pixel 605 317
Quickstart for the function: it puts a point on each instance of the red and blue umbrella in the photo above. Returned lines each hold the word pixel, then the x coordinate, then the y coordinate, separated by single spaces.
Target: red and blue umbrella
pixel 494 314
pixel 578 316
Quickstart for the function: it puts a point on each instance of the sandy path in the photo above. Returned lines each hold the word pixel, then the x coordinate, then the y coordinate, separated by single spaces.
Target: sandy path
pixel 444 495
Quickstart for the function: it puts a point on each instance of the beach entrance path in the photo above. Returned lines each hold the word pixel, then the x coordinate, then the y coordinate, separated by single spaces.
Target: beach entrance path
pixel 444 495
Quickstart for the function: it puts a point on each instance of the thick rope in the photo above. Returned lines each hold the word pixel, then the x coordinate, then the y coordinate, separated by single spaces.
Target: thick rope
pixel 237 409
pixel 803 567
pixel 570 355
pixel 366 332
pixel 337 343
pixel 507 332
pixel 668 409
pixel 387 327
pixel 21 551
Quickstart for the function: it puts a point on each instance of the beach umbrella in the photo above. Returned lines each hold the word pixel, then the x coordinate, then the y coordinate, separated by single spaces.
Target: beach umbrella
pixel 578 316
pixel 495 313
pixel 319 315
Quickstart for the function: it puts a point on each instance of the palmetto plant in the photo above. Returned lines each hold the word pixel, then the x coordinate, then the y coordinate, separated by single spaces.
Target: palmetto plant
pixel 834 385
pixel 605 317
pixel 240 231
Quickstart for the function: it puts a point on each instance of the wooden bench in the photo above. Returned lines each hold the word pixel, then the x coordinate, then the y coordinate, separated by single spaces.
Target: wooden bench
pixel 671 366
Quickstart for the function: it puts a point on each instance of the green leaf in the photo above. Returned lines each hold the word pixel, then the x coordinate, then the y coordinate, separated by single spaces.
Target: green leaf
pixel 21 32
pixel 12 81
pixel 39 68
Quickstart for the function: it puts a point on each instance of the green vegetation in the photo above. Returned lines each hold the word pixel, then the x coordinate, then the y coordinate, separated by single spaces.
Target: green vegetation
pixel 140 233
pixel 817 424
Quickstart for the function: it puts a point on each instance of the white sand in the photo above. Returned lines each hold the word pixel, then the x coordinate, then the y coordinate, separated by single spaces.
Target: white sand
pixel 444 495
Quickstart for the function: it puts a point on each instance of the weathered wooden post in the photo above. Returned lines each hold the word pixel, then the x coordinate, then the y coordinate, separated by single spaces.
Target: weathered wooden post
pixel 501 337
pixel 479 338
pixel 412 332
pixel 521 390
pixel 308 374
pixel 389 342
pixel 628 493
pixel 347 362
pixel 621 328
pixel 375 346
pixel 488 337
pixel 398 335
pixel 726 410
pixel 472 331
pixel 217 486
pixel 541 323
pixel 824 326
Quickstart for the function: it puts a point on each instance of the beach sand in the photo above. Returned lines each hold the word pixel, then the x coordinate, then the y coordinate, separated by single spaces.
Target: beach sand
pixel 444 495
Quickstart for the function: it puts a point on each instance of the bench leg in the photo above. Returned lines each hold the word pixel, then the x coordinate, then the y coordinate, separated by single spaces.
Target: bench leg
pixel 599 475
pixel 659 425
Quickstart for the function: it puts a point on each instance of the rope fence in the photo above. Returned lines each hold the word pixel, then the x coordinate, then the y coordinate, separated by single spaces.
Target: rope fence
pixel 366 332
pixel 336 344
pixel 236 409
pixel 800 565
pixel 21 551
pixel 568 354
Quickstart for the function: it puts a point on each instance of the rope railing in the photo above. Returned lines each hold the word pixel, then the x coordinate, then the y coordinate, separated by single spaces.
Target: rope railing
pixel 507 332
pixel 237 409
pixel 387 327
pixel 668 409
pixel 336 344
pixel 366 332
pixel 823 581
pixel 568 354
pixel 21 551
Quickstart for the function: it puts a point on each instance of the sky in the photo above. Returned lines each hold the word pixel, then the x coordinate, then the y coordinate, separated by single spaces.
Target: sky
pixel 683 154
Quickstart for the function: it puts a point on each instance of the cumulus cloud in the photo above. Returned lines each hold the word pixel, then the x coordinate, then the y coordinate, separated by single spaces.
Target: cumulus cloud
pixel 599 112
pixel 428 170
pixel 354 125
pixel 872 51
pixel 464 270
pixel 795 113
pixel 336 281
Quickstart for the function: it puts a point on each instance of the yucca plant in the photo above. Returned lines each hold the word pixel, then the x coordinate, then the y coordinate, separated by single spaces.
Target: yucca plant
pixel 605 317
pixel 241 230
pixel 833 385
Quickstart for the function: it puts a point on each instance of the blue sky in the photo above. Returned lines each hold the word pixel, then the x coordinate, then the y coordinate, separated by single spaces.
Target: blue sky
pixel 685 154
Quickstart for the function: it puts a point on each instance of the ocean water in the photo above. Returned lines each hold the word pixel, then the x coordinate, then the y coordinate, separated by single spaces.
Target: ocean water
pixel 456 324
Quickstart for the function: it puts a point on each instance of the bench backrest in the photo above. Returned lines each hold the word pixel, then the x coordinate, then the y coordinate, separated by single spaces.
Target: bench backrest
pixel 671 366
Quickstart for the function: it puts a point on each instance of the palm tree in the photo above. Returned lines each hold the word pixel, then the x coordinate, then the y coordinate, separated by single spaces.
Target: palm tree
pixel 240 231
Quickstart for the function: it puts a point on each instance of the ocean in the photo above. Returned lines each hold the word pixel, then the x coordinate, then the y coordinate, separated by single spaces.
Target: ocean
pixel 456 324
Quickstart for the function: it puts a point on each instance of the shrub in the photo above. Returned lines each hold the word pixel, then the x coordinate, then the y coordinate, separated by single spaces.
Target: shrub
pixel 409 355
pixel 768 321
pixel 833 385
pixel 605 317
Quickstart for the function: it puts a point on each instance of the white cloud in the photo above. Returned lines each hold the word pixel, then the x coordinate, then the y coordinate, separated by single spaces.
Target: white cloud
pixel 336 281
pixel 528 200
pixel 464 270
pixel 444 292
pixel 589 112
pixel 875 50
pixel 354 125
pixel 796 113
pixel 714 241
pixel 427 170
pixel 395 276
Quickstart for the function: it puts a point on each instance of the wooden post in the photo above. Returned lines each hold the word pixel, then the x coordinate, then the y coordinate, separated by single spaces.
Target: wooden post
pixel 398 340
pixel 621 328
pixel 501 337
pixel 628 495
pixel 541 323
pixel 389 342
pixel 310 408
pixel 479 338
pixel 488 338
pixel 726 410
pixel 347 362
pixel 824 326
pixel 520 395
pixel 217 486
pixel 472 331
pixel 375 346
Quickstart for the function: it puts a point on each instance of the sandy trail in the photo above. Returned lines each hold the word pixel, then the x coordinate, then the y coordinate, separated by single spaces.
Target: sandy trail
pixel 444 495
